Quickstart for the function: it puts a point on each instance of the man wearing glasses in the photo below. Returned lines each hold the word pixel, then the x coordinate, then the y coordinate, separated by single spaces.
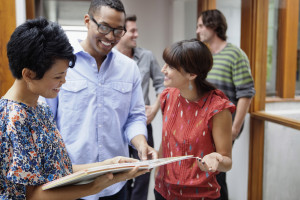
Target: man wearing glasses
pixel 100 109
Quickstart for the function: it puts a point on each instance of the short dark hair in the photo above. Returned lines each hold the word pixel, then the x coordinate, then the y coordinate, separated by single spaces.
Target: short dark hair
pixel 193 56
pixel 131 18
pixel 35 45
pixel 215 20
pixel 115 4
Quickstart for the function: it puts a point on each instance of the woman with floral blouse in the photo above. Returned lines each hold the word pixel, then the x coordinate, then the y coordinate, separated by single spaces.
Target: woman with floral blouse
pixel 196 121
pixel 32 150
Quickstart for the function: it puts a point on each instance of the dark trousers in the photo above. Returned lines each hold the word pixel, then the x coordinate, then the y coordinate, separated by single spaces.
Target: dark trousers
pixel 221 177
pixel 137 189
pixel 121 195
pixel 158 196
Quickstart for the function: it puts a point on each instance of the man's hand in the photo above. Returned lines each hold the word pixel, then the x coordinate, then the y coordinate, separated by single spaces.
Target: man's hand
pixel 152 110
pixel 150 113
pixel 144 150
pixel 235 133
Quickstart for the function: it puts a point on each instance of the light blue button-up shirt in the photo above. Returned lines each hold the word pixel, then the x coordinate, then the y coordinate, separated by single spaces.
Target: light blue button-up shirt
pixel 99 112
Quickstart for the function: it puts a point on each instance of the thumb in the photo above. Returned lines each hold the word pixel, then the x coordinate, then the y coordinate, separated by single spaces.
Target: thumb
pixel 144 153
pixel 219 158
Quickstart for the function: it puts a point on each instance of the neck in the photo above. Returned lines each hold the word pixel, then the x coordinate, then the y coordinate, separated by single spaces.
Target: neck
pixel 191 95
pixel 98 57
pixel 126 51
pixel 19 92
pixel 217 45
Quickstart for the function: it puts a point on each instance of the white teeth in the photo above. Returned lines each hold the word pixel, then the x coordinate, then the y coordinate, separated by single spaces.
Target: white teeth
pixel 106 43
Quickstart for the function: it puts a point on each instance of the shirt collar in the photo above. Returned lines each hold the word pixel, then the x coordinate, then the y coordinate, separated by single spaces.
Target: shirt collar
pixel 137 53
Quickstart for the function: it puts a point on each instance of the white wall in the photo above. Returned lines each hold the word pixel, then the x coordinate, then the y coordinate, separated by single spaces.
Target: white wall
pixel 281 154
pixel 20 11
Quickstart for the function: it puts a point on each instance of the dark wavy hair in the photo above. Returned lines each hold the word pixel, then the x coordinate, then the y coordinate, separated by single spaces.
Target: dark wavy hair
pixel 215 20
pixel 130 18
pixel 115 4
pixel 193 56
pixel 35 45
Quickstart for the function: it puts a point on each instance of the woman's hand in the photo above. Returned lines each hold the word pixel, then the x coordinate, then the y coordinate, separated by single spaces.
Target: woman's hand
pixel 210 162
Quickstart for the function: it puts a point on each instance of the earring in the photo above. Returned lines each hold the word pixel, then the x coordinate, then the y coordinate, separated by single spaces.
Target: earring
pixel 190 86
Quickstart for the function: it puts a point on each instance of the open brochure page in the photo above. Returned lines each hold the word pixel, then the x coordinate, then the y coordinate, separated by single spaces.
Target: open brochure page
pixel 88 175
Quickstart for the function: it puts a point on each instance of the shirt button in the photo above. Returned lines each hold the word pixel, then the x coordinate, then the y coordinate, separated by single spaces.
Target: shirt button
pixel 99 105
pixel 99 125
pixel 99 84
pixel 93 65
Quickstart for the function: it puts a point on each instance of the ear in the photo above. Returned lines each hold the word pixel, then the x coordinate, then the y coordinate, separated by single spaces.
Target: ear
pixel 192 76
pixel 28 75
pixel 87 20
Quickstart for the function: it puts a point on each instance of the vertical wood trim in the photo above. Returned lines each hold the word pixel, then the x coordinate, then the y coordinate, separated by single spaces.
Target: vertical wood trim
pixel 206 5
pixel 256 159
pixel 287 48
pixel 254 42
pixel 30 9
pixel 8 24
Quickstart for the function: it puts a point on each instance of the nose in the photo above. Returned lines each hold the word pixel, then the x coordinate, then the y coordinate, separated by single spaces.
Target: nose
pixel 198 30
pixel 163 69
pixel 63 80
pixel 110 36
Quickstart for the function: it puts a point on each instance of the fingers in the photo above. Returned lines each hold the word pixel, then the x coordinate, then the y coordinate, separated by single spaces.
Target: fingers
pixel 121 159
pixel 135 172
pixel 152 153
pixel 209 164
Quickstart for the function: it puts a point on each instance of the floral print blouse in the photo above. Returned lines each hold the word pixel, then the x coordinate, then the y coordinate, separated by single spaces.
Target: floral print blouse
pixel 32 150
pixel 187 130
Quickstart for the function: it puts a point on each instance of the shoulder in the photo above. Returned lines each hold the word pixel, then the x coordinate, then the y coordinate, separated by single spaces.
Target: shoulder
pixel 169 93
pixel 233 49
pixel 12 111
pixel 140 52
pixel 119 58
pixel 219 102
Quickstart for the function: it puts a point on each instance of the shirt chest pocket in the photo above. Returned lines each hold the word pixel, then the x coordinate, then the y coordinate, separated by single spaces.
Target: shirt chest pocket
pixel 74 94
pixel 121 95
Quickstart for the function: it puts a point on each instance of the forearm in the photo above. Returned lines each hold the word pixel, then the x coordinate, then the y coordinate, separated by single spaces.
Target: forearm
pixel 139 141
pixel 225 165
pixel 156 105
pixel 63 193
pixel 241 111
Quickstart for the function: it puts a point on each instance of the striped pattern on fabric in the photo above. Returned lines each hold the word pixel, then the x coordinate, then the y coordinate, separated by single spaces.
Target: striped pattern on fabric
pixel 231 73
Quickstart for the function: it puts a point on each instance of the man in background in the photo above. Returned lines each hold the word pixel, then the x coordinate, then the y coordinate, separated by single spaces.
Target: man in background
pixel 149 69
pixel 230 73
pixel 100 109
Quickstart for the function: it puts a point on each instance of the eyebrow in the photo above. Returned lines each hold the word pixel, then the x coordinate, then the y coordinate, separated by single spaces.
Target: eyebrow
pixel 106 24
pixel 60 73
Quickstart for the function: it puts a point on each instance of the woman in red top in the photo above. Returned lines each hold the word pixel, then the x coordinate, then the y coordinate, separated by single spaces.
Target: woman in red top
pixel 196 121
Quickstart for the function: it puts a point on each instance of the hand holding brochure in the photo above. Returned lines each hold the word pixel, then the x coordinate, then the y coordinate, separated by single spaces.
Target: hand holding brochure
pixel 88 175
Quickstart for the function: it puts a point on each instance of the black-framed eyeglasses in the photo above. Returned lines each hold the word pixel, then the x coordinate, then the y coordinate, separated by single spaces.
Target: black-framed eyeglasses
pixel 105 29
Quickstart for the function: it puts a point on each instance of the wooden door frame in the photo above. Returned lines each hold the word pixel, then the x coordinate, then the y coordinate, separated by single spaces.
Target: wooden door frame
pixel 8 21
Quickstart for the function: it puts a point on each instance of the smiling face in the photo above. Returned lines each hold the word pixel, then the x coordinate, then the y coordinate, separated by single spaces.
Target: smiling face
pixel 52 80
pixel 175 78
pixel 130 37
pixel 205 34
pixel 99 45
